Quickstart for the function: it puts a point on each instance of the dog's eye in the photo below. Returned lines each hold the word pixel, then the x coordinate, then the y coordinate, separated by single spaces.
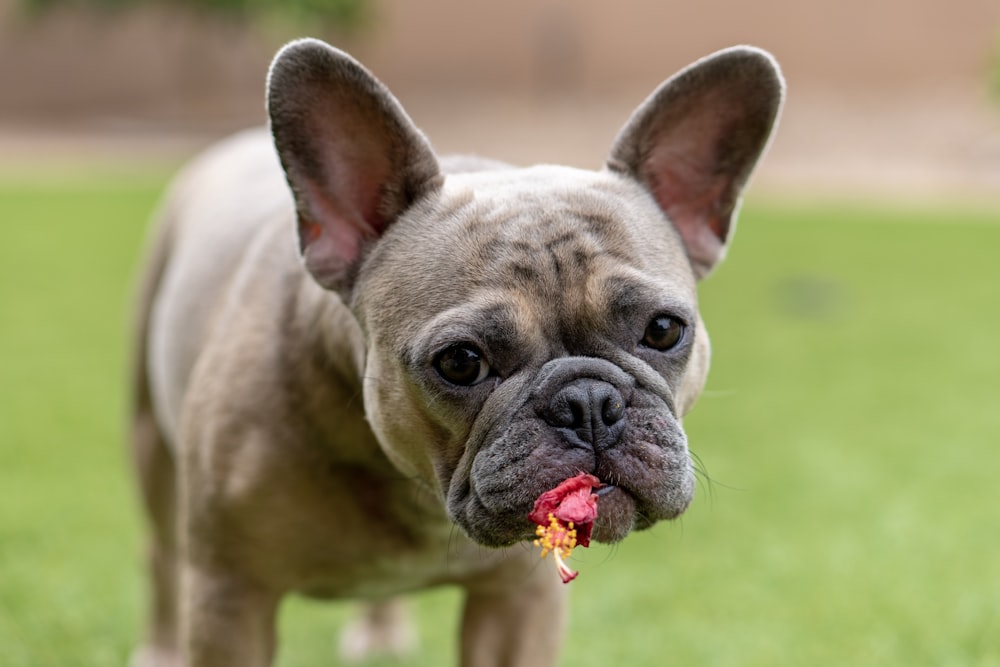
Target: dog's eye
pixel 664 333
pixel 462 365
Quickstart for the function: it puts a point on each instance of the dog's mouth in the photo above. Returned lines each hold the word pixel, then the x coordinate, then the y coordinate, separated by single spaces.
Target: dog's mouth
pixel 647 478
pixel 618 514
pixel 492 513
pixel 644 469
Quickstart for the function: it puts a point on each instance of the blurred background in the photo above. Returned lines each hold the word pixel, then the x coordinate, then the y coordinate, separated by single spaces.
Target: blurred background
pixel 884 96
pixel 848 510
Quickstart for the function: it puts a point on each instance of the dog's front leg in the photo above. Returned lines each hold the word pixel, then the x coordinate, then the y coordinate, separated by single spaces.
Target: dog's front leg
pixel 515 621
pixel 227 621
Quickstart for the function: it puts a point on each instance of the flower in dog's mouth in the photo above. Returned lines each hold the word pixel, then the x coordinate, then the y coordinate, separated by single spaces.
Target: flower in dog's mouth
pixel 565 517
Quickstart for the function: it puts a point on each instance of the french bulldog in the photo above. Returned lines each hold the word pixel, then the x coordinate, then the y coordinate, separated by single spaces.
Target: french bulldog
pixel 358 364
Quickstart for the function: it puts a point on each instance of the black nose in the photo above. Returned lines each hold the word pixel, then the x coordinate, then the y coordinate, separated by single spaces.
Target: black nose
pixel 591 413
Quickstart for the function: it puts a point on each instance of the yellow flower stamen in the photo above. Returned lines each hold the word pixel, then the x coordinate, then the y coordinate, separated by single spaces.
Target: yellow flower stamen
pixel 560 539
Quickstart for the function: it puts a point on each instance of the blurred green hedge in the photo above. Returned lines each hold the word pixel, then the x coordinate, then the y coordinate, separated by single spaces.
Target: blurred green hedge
pixel 345 14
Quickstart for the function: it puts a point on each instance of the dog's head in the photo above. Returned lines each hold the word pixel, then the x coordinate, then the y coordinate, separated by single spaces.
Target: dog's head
pixel 525 325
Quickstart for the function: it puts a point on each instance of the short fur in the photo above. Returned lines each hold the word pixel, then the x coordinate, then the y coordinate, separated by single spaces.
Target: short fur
pixel 294 430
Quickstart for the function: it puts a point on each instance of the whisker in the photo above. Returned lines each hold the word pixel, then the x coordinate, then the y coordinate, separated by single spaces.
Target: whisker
pixel 701 474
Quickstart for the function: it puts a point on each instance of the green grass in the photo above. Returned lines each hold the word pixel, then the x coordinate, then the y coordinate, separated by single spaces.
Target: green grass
pixel 849 430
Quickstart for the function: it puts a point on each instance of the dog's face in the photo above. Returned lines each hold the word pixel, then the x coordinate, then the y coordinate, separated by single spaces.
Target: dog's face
pixel 551 328
pixel 525 325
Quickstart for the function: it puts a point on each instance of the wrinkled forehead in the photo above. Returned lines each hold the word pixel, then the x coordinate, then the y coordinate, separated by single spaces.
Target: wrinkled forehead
pixel 550 227
pixel 573 244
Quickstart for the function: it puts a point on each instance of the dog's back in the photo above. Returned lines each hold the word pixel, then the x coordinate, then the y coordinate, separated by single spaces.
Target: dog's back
pixel 205 226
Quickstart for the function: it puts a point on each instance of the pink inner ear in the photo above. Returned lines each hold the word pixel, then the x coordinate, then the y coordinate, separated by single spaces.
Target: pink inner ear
pixel 356 169
pixel 339 219
pixel 342 204
pixel 694 199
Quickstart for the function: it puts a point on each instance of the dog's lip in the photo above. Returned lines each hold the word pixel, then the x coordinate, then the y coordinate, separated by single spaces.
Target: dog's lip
pixel 615 514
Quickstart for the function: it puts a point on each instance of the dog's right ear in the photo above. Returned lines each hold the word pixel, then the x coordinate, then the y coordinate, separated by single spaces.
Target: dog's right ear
pixel 353 158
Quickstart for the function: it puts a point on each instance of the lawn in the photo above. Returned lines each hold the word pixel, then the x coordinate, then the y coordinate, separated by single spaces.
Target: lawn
pixel 850 514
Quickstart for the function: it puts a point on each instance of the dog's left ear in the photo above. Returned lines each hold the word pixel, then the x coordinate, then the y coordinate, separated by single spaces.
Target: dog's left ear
pixel 694 142
pixel 353 158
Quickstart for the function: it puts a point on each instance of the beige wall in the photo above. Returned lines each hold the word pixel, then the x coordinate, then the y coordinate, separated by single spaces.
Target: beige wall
pixel 163 67
pixel 604 43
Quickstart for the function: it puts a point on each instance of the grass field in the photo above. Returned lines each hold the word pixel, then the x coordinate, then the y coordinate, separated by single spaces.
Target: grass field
pixel 850 432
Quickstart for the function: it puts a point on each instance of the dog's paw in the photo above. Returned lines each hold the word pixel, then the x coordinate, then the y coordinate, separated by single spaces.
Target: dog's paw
pixel 383 629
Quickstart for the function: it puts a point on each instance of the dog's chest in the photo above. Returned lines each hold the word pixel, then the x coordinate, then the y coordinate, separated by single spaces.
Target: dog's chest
pixel 341 530
pixel 381 575
pixel 384 544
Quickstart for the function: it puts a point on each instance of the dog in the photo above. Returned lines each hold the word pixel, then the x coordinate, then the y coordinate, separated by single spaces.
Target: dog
pixel 358 364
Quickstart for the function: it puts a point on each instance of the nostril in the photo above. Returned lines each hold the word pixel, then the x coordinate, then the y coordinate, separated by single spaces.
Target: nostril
pixel 613 409
pixel 569 408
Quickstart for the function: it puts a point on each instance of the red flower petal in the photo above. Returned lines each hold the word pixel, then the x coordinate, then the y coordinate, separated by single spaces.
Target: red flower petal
pixel 578 507
pixel 583 531
pixel 572 501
